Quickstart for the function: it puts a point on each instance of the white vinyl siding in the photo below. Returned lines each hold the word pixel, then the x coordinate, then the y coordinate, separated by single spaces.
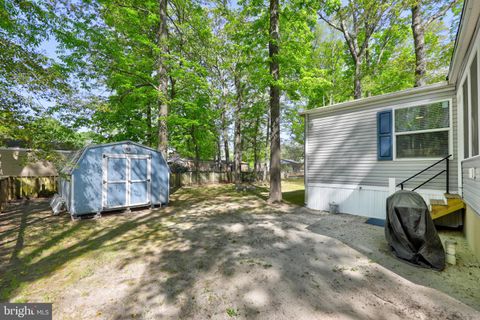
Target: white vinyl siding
pixel 471 182
pixel 341 147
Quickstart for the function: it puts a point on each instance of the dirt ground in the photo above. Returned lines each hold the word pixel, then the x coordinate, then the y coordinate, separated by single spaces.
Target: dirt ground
pixel 221 254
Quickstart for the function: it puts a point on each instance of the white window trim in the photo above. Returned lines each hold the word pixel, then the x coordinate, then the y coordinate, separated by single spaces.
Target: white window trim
pixel 465 77
pixel 478 92
pixel 469 113
pixel 461 132
pixel 420 103
pixel 460 137
pixel 475 52
pixel 403 133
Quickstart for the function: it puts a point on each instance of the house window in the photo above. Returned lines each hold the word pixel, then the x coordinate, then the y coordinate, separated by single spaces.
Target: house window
pixel 470 105
pixel 422 131
pixel 466 143
pixel 474 106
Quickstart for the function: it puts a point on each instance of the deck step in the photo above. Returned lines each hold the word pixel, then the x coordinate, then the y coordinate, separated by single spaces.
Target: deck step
pixel 441 210
pixel 435 202
pixel 452 196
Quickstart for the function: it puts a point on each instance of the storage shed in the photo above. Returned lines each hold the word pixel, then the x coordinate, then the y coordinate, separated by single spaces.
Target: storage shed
pixel 114 176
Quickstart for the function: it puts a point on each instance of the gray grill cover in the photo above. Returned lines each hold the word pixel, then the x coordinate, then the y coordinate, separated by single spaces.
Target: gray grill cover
pixel 410 231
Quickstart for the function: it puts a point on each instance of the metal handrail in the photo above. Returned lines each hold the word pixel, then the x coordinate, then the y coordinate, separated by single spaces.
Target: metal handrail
pixel 427 168
pixel 429 179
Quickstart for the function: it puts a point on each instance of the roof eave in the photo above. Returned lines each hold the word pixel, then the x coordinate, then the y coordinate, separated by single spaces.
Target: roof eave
pixel 466 30
pixel 389 97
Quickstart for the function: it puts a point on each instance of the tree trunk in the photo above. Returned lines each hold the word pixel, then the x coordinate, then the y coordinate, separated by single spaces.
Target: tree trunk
pixel 267 148
pixel 219 150
pixel 419 43
pixel 173 91
pixel 225 136
pixel 275 174
pixel 149 125
pixel 197 153
pixel 237 161
pixel 255 148
pixel 357 94
pixel 162 81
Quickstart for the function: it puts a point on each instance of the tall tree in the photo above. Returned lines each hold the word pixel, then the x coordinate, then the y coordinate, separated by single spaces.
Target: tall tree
pixel 424 12
pixel 238 143
pixel 275 151
pixel 162 79
pixel 33 87
pixel 211 73
pixel 358 20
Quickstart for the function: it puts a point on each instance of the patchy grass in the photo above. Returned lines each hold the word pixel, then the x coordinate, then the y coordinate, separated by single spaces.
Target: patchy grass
pixel 293 191
pixel 231 312
pixel 214 252
pixel 35 245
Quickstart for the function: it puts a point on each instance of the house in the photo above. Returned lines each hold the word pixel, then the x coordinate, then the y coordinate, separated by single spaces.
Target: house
pixel 18 162
pixel 424 139
pixel 25 175
pixel 291 168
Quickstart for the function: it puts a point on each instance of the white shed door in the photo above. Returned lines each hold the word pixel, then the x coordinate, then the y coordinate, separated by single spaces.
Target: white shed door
pixel 139 182
pixel 126 181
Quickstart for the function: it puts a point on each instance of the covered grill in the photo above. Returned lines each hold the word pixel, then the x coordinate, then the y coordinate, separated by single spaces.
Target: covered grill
pixel 410 231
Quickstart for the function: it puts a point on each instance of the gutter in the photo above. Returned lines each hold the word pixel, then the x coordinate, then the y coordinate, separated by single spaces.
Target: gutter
pixel 457 36
pixel 440 87
pixel 467 31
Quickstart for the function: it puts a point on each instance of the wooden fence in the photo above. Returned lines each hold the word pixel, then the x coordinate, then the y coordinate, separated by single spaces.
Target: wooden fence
pixel 209 177
pixel 194 178
pixel 12 188
pixel 20 187
pixel 3 192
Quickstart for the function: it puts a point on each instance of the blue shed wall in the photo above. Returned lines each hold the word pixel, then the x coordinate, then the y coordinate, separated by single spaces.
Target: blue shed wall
pixel 87 177
pixel 64 190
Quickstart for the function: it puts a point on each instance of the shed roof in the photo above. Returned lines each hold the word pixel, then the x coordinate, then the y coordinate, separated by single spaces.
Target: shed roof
pixel 289 161
pixel 77 156
pixel 72 161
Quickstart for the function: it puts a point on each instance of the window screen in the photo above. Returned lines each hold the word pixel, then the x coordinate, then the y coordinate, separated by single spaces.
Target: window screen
pixel 429 126
pixel 474 105
pixel 432 116
pixel 466 140
pixel 423 145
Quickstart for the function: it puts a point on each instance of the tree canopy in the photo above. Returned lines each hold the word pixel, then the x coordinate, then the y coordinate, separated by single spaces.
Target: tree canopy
pixel 195 78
